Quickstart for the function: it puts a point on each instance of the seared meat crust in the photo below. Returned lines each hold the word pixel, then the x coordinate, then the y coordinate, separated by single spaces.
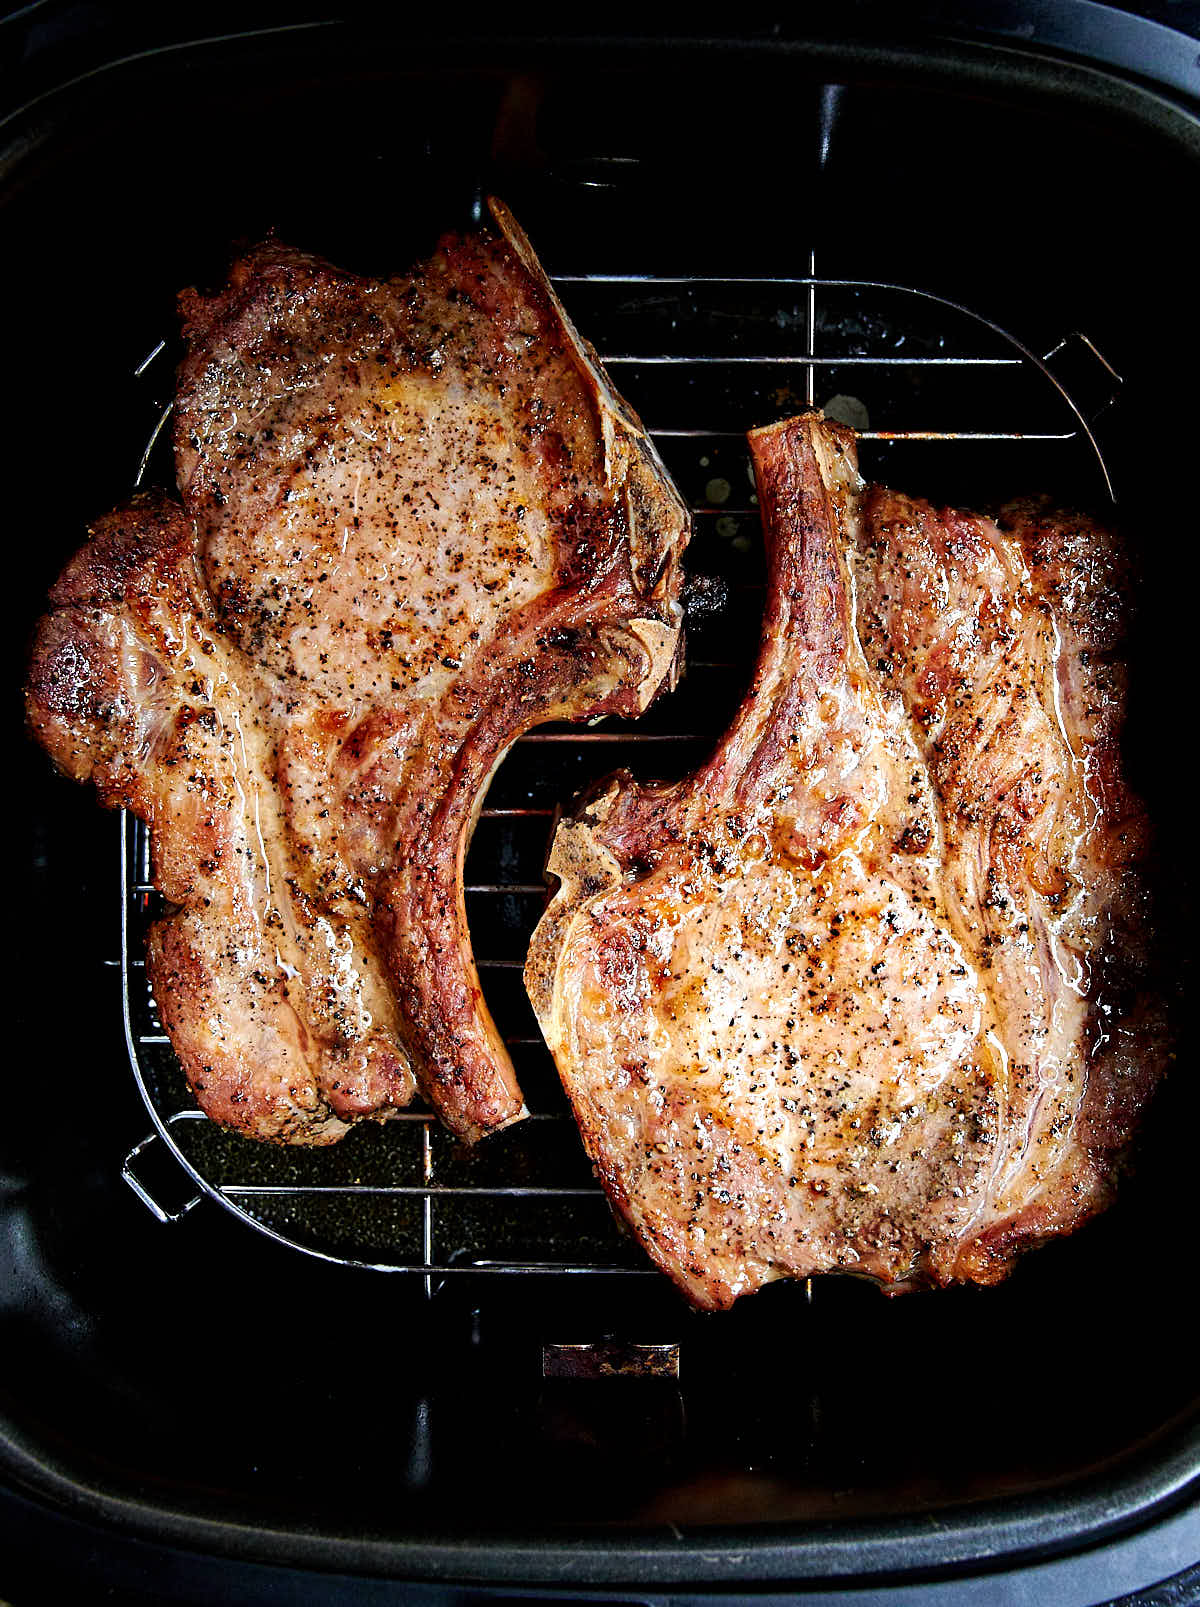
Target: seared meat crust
pixel 866 992
pixel 274 998
pixel 416 521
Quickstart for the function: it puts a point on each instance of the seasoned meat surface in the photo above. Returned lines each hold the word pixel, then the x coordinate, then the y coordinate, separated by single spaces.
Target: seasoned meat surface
pixel 416 521
pixel 865 993
pixel 274 997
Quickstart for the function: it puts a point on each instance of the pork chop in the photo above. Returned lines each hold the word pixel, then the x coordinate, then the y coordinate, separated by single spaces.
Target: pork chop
pixel 416 520
pixel 275 998
pixel 863 992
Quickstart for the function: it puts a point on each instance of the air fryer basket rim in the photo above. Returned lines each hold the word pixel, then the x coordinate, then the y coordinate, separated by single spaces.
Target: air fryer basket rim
pixel 937 49
pixel 1164 1484
pixel 1156 1479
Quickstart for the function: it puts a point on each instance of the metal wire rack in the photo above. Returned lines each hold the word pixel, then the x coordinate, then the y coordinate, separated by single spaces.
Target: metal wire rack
pixel 944 401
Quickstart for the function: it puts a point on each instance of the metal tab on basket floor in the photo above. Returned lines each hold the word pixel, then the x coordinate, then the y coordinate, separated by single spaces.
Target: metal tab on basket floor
pixel 610 1358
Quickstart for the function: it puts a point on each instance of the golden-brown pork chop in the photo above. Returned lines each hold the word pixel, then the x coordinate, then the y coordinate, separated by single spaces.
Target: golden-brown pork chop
pixel 273 996
pixel 842 999
pixel 416 521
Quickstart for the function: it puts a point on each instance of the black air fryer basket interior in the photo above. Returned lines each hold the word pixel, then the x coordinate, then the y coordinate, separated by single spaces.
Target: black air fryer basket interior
pixel 200 1384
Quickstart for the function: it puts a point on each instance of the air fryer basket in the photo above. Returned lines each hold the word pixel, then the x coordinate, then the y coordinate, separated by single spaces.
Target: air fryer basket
pixel 980 254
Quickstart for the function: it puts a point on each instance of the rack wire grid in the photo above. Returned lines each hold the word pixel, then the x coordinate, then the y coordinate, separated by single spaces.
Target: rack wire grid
pixel 943 400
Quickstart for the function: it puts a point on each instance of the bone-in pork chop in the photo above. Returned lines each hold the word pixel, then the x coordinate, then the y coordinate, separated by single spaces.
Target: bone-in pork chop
pixel 416 520
pixel 862 993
